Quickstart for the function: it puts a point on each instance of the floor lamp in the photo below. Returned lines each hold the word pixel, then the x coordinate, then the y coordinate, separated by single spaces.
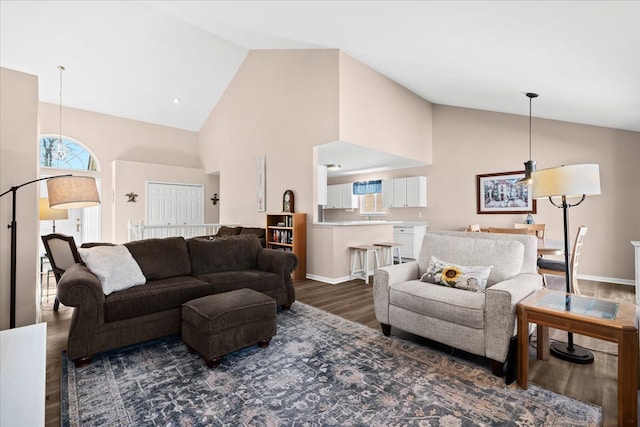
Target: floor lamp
pixel 48 214
pixel 567 181
pixel 65 192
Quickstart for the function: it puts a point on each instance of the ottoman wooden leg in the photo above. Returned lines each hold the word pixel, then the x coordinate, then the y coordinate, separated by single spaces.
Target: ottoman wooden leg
pixel 264 343
pixel 213 363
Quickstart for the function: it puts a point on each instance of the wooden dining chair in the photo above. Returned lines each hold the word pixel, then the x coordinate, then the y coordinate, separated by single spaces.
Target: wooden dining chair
pixel 511 231
pixel 539 229
pixel 559 268
pixel 62 253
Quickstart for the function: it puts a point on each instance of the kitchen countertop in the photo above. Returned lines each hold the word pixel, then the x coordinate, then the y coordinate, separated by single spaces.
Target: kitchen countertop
pixel 355 223
pixel 374 222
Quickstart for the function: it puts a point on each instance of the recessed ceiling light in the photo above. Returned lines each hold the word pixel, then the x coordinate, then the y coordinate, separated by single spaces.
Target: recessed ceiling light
pixel 333 167
pixel 176 100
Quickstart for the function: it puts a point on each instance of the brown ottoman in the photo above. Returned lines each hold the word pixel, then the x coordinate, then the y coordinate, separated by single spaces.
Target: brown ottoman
pixel 219 324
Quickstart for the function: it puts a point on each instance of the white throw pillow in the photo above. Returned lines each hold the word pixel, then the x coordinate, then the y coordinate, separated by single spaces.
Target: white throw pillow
pixel 114 266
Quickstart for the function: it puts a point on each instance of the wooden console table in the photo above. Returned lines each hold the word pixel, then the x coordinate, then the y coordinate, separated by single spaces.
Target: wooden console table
pixel 606 320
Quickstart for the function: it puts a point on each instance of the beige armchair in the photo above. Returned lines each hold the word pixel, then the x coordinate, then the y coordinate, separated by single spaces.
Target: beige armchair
pixel 482 323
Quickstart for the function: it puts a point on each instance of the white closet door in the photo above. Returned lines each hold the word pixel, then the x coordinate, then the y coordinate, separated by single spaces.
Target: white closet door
pixel 190 207
pixel 174 204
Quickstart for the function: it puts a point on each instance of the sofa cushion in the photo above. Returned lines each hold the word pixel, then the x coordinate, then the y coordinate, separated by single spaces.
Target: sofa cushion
pixel 230 253
pixel 551 264
pixel 257 280
pixel 259 232
pixel 155 296
pixel 161 258
pixel 506 256
pixel 228 231
pixel 113 266
pixel 441 302
pixel 470 278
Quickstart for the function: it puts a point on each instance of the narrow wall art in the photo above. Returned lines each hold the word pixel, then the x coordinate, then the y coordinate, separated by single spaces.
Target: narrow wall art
pixel 261 184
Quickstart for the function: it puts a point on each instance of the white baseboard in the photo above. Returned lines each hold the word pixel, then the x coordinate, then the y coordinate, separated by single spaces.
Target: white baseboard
pixel 607 279
pixel 328 280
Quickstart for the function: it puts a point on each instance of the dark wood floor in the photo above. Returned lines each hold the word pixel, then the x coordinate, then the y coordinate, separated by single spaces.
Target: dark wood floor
pixel 595 383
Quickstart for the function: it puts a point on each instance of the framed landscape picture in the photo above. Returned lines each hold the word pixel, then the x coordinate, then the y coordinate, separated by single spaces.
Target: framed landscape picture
pixel 500 193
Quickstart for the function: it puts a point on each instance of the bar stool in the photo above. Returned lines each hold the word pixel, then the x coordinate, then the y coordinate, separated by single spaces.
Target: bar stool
pixel 387 249
pixel 361 253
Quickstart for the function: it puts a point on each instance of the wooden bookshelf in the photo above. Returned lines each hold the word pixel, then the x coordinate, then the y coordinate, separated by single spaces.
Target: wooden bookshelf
pixel 288 231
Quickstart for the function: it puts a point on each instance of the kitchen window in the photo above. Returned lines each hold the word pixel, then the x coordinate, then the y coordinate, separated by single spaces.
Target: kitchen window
pixel 371 204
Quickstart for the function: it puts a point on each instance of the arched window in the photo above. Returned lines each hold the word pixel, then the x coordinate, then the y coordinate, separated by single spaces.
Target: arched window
pixel 68 154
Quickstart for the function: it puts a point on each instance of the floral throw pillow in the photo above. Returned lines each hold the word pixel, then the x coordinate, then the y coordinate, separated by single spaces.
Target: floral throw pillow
pixel 470 278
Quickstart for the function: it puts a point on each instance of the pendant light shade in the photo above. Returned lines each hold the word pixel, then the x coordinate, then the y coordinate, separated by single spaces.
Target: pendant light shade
pixel 530 165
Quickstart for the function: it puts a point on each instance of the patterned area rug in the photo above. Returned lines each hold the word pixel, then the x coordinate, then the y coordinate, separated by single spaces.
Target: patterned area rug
pixel 320 370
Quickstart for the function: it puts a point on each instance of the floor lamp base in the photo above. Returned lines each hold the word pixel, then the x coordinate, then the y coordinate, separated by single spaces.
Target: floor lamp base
pixel 576 355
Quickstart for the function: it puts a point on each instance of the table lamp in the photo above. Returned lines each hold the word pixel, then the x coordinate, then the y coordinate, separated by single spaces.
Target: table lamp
pixel 48 214
pixel 564 182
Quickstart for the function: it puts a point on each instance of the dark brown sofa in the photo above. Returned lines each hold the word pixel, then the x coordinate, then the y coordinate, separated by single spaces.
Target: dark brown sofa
pixel 225 230
pixel 177 271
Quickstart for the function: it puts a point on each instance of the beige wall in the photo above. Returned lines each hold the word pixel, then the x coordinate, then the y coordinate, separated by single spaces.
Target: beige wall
pixel 469 142
pixel 18 164
pixel 132 177
pixel 280 104
pixel 378 113
pixel 283 103
pixel 112 138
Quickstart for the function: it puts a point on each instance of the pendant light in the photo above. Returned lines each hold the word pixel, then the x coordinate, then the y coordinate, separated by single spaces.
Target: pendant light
pixel 60 151
pixel 530 165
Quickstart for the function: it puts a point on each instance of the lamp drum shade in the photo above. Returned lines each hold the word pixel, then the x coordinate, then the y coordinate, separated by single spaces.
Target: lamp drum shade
pixel 569 180
pixel 70 192
pixel 48 214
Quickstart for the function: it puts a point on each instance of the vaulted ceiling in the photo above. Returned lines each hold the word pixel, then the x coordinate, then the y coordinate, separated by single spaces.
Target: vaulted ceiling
pixel 130 59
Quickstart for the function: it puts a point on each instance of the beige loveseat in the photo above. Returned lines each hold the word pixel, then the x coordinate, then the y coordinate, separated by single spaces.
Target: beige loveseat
pixel 481 323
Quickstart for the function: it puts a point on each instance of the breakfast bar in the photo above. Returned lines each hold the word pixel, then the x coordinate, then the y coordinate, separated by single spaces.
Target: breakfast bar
pixel 332 241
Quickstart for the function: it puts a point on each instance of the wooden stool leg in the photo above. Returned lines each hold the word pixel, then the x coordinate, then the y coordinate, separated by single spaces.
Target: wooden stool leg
pixel 352 271
pixel 366 267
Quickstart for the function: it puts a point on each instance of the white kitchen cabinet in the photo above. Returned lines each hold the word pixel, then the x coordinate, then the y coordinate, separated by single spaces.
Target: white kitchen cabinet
pixel 334 195
pixel 636 245
pixel 349 200
pixel 387 193
pixel 405 192
pixel 322 185
pixel 411 239
pixel 340 196
pixel 416 191
pixel 399 192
